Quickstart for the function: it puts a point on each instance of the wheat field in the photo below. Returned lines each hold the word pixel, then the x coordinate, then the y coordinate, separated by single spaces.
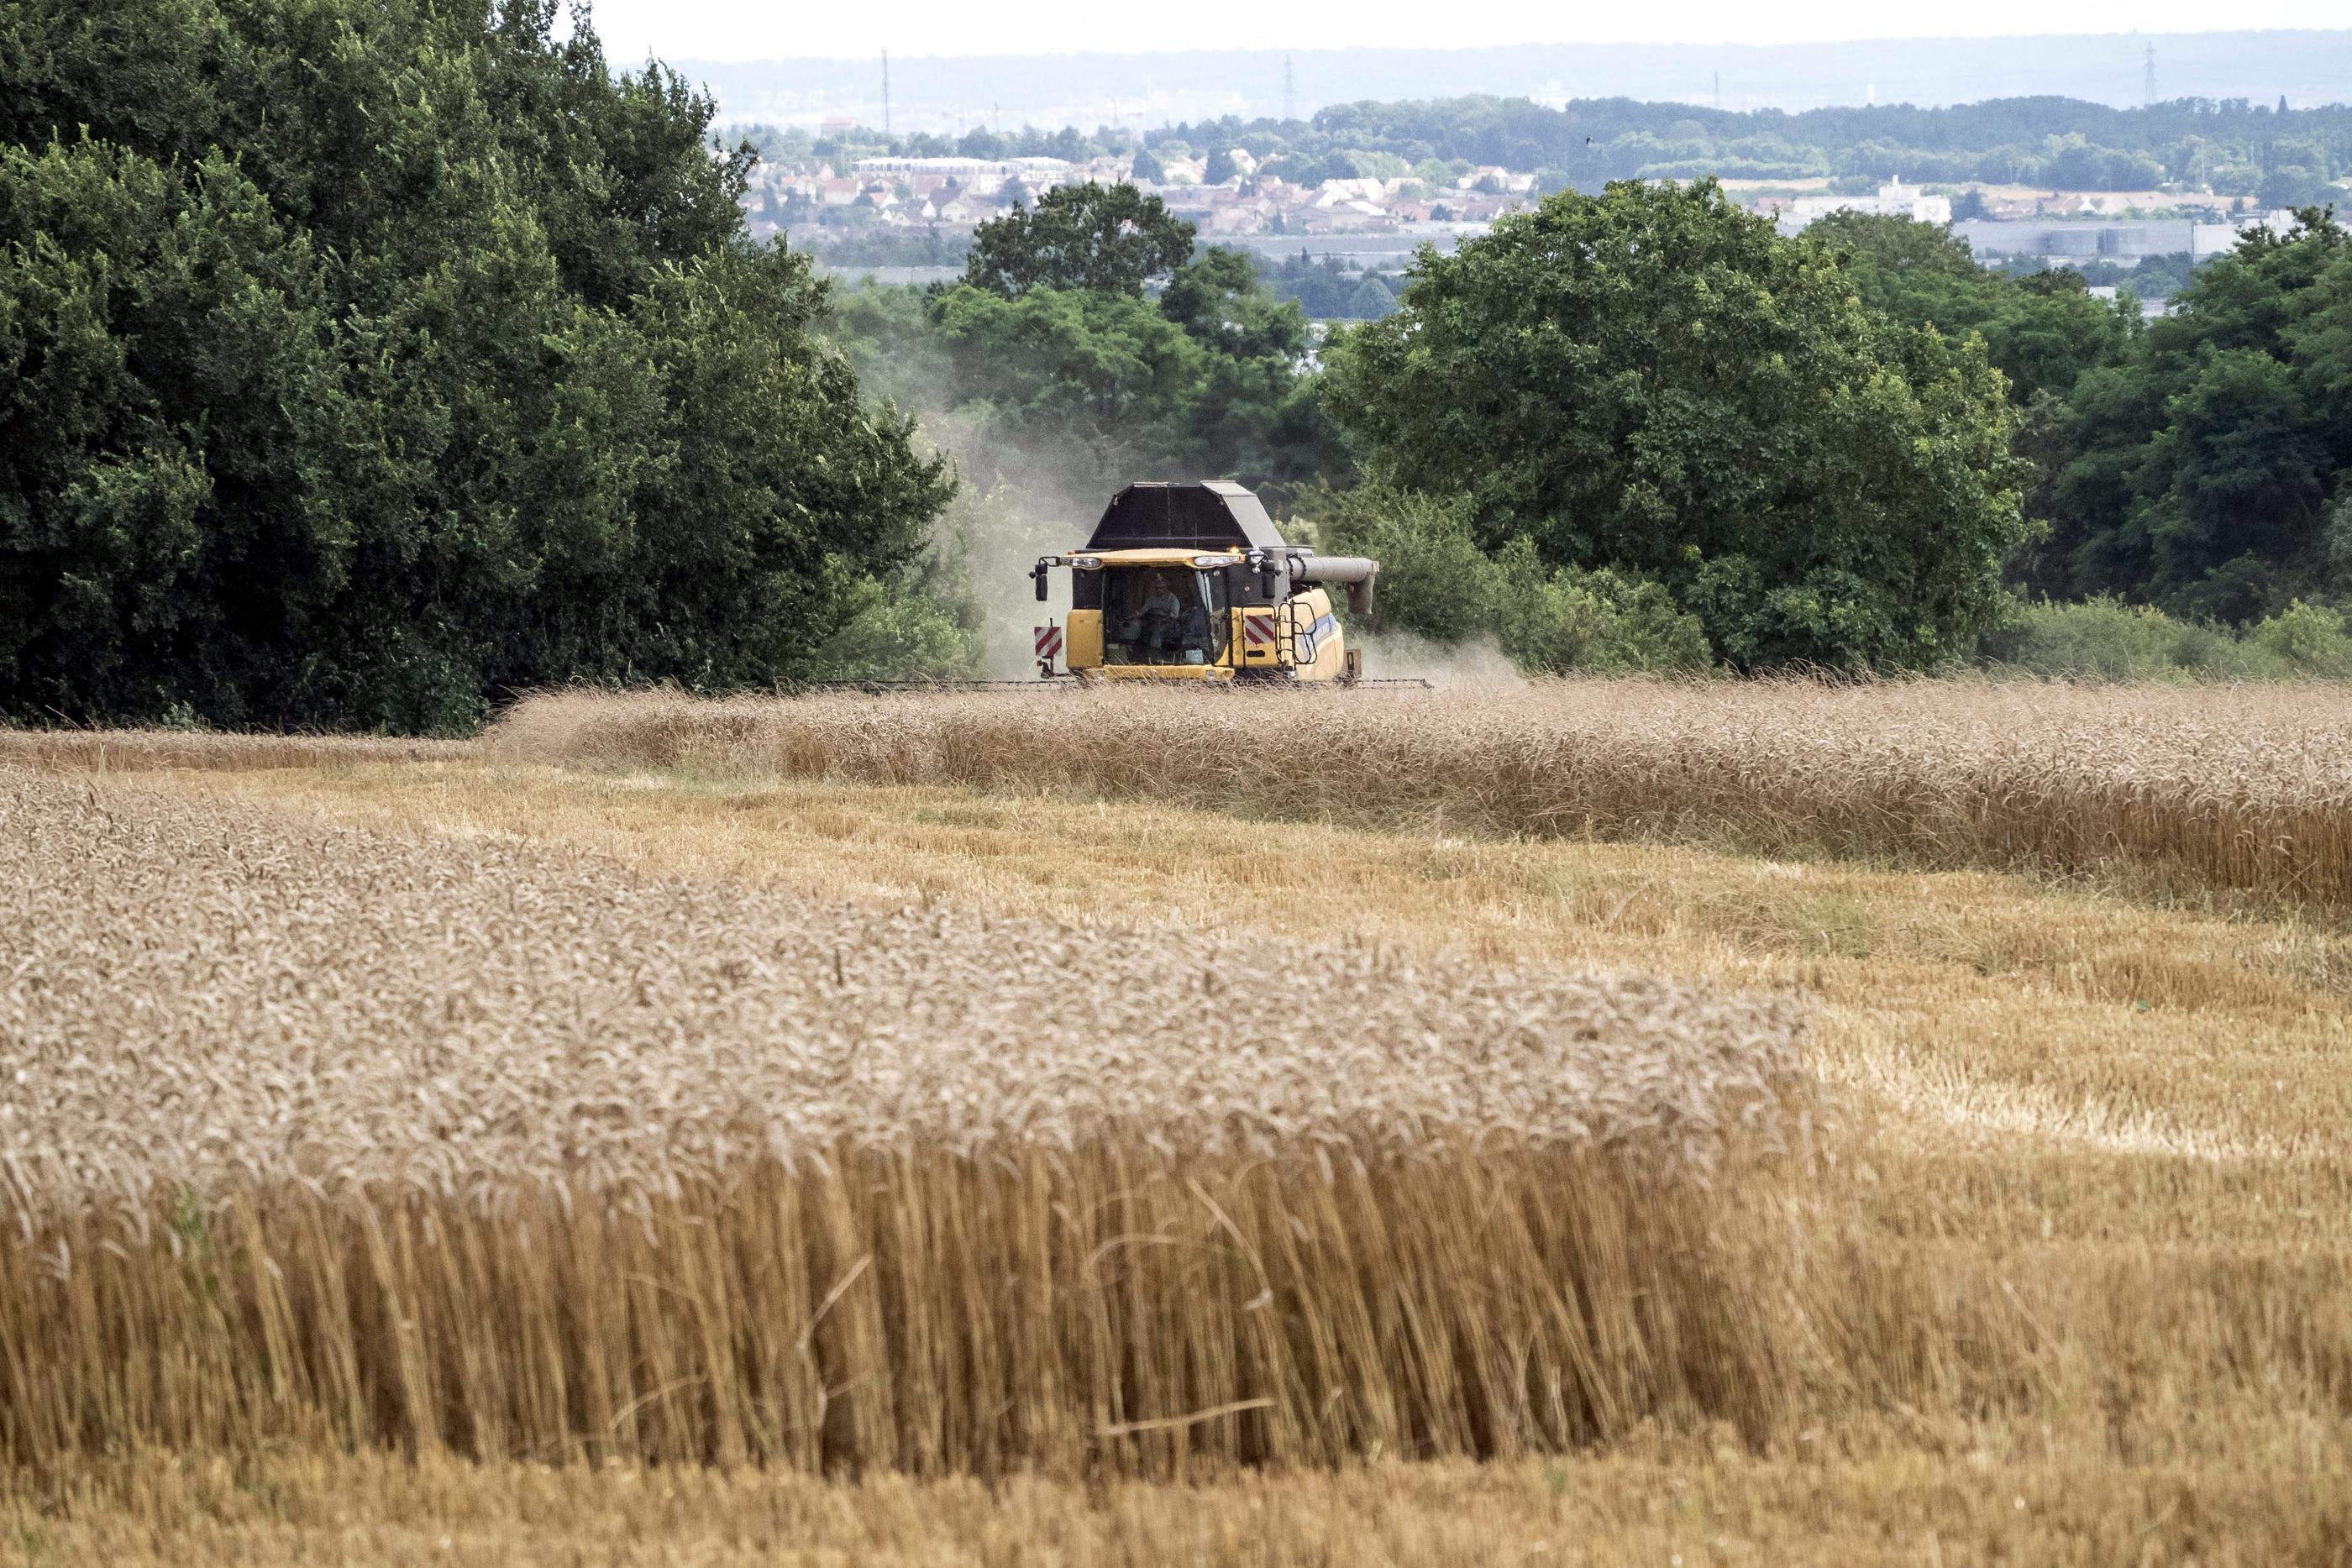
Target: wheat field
pixel 2193 790
pixel 1916 1214
pixel 317 1132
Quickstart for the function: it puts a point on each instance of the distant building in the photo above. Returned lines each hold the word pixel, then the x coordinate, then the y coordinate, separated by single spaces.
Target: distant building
pixel 1338 193
pixel 1500 178
pixel 984 172
pixel 1894 200
pixel 2063 242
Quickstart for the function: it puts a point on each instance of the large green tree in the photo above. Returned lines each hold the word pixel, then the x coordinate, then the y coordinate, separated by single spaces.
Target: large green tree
pixel 1108 239
pixel 1654 382
pixel 361 360
pixel 2209 469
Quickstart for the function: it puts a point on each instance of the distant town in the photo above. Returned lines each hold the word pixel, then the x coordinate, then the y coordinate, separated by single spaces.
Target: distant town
pixel 1222 193
pixel 910 193
pixel 907 216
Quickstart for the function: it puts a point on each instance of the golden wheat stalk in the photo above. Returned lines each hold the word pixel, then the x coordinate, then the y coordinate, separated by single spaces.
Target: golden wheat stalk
pixel 314 1136
pixel 2240 788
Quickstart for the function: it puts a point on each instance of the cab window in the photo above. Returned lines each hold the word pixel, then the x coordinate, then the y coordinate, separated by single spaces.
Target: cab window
pixel 1164 615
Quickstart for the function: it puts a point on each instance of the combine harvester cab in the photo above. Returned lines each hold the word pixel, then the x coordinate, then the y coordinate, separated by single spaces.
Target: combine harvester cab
pixel 1192 582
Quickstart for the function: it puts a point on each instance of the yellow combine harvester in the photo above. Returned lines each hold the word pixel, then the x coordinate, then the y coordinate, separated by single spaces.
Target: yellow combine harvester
pixel 1192 583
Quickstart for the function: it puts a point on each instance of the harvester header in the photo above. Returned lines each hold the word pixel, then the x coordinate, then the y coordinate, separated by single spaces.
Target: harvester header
pixel 1194 582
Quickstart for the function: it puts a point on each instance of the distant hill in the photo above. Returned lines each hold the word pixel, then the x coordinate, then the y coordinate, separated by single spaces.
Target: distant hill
pixel 953 93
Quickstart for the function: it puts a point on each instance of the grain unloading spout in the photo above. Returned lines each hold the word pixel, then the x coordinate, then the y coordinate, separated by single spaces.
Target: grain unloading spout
pixel 1353 572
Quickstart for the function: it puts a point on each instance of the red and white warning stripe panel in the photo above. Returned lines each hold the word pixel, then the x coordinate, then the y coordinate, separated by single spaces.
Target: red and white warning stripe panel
pixel 1257 628
pixel 1049 642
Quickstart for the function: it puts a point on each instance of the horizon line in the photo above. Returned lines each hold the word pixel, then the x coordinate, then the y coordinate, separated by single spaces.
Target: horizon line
pixel 1519 46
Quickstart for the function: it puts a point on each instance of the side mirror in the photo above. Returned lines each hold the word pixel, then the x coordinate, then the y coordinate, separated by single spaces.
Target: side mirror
pixel 1037 574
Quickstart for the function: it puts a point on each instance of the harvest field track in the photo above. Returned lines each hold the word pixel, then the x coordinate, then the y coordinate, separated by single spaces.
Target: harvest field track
pixel 2010 1220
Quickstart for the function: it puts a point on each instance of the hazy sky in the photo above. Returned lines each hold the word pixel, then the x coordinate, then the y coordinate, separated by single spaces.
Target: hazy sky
pixel 763 29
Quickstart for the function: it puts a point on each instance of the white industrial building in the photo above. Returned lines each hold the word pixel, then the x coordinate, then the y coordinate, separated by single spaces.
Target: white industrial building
pixel 1894 200
pixel 966 172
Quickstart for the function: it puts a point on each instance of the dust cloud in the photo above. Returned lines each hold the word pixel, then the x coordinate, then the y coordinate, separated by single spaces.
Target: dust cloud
pixel 1017 498
pixel 1479 665
pixel 994 537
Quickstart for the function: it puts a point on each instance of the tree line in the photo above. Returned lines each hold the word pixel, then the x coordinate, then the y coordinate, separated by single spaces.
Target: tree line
pixel 2282 155
pixel 2200 462
pixel 2274 153
pixel 365 361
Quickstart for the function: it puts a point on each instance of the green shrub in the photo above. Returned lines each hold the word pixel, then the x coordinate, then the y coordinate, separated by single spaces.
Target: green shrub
pixel 1435 582
pixel 898 631
pixel 1426 555
pixel 1552 619
pixel 2311 638
pixel 2105 639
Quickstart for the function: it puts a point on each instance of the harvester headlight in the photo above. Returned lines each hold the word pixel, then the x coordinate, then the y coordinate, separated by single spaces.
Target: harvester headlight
pixel 1086 562
pixel 1209 561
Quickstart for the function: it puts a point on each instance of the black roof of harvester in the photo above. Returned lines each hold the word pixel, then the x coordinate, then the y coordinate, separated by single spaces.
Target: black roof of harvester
pixel 1205 515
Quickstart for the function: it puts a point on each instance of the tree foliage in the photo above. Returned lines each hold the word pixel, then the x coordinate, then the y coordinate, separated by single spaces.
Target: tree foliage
pixel 2041 331
pixel 1108 239
pixel 1654 381
pixel 2208 468
pixel 2197 462
pixel 1328 289
pixel 455 375
pixel 1438 583
pixel 2054 143
pixel 1089 388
